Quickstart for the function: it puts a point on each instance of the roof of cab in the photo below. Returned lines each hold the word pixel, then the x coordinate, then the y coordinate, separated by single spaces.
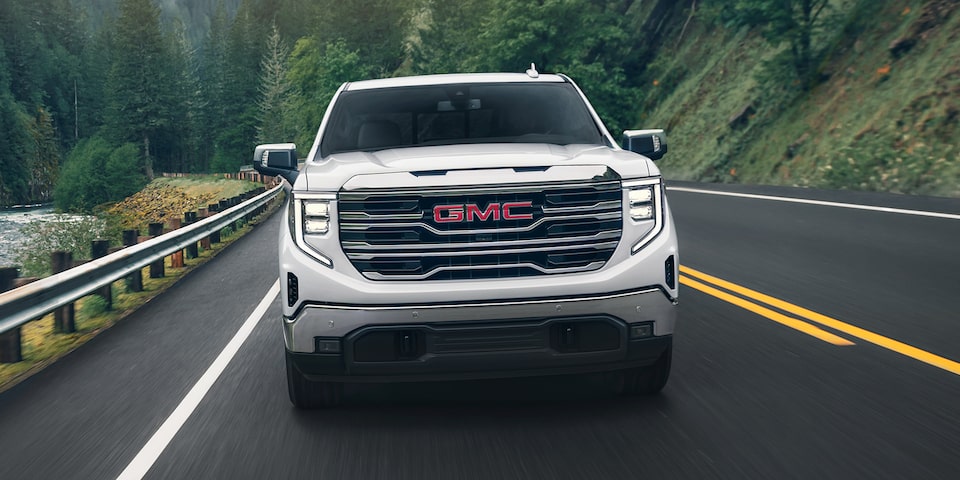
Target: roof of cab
pixel 453 78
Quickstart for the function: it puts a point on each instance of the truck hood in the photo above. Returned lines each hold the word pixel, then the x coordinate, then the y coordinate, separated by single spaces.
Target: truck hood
pixel 451 165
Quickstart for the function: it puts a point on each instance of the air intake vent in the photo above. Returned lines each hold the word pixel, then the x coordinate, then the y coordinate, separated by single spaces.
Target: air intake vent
pixel 670 272
pixel 293 289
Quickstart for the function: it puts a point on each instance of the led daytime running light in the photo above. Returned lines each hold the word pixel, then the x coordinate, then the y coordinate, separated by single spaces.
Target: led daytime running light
pixel 641 203
pixel 316 217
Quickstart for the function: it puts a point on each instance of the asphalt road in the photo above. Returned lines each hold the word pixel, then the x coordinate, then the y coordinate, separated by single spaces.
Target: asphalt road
pixel 748 397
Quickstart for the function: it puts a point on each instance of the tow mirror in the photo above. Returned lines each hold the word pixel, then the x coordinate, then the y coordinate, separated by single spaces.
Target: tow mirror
pixel 277 160
pixel 650 143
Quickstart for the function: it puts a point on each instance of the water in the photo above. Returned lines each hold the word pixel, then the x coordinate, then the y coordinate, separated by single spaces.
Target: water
pixel 12 222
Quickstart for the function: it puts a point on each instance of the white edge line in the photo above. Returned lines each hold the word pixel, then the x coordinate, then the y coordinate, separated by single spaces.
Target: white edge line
pixel 148 455
pixel 919 213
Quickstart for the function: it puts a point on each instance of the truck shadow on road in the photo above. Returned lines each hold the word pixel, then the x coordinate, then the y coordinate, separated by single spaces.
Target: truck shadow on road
pixel 478 403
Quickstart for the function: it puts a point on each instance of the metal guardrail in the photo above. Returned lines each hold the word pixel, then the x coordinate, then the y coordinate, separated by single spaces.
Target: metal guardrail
pixel 31 301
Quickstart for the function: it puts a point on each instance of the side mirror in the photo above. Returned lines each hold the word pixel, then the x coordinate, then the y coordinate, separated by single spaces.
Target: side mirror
pixel 650 143
pixel 277 160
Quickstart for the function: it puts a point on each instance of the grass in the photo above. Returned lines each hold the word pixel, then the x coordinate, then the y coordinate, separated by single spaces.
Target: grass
pixel 41 346
pixel 875 123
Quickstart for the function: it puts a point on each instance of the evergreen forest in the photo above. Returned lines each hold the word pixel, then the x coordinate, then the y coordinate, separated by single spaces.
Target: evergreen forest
pixel 99 96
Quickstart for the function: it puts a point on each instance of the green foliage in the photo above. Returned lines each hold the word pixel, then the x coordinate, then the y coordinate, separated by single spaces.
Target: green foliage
pixel 793 22
pixel 245 42
pixel 62 233
pixel 276 92
pixel 139 105
pixel 318 71
pixel 586 39
pixel 376 29
pixel 447 37
pixel 97 172
pixel 14 143
pixel 91 307
pixel 874 164
pixel 44 163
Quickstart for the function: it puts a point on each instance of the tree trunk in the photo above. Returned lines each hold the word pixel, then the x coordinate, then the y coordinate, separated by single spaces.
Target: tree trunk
pixel 148 162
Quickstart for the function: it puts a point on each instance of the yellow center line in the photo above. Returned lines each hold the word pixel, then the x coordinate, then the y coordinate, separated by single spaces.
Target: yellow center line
pixel 793 323
pixel 854 331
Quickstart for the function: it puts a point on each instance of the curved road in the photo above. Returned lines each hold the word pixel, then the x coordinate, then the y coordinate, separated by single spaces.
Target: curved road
pixel 814 341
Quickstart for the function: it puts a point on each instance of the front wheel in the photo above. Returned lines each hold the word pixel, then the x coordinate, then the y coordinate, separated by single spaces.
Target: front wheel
pixel 307 394
pixel 650 379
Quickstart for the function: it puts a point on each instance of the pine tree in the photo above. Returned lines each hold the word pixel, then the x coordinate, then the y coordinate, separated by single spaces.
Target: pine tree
pixel 446 38
pixel 139 100
pixel 182 82
pixel 377 29
pixel 237 137
pixel 211 97
pixel 44 162
pixel 14 140
pixel 275 92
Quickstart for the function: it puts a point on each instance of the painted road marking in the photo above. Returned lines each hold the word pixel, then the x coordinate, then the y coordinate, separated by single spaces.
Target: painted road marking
pixel 854 331
pixel 780 318
pixel 158 443
pixel 919 213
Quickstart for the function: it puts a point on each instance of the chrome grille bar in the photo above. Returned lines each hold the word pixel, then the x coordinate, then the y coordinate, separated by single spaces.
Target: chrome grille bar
pixel 392 235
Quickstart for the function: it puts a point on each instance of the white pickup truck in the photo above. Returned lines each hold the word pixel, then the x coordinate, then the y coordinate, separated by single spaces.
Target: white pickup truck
pixel 472 226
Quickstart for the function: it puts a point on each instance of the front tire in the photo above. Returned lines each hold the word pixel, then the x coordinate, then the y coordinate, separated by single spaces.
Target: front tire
pixel 306 394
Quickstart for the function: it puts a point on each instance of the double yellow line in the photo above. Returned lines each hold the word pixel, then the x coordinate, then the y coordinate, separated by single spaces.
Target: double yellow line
pixel 699 280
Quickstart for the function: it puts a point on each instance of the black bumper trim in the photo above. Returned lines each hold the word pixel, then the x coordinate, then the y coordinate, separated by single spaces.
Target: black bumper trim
pixel 333 368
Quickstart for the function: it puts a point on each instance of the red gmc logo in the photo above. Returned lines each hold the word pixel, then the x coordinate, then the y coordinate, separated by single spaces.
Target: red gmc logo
pixel 470 212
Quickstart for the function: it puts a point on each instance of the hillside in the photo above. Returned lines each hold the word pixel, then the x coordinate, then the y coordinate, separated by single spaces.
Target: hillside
pixel 882 115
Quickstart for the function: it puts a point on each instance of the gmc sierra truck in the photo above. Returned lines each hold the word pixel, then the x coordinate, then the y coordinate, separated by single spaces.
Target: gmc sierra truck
pixel 473 226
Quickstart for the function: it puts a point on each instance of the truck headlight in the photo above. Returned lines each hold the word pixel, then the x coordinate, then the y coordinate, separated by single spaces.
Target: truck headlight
pixel 645 209
pixel 310 222
pixel 641 203
pixel 316 217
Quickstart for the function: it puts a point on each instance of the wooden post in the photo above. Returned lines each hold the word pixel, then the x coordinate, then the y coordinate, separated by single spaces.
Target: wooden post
pixel 156 268
pixel 190 218
pixel 232 202
pixel 98 249
pixel 205 241
pixel 176 259
pixel 64 320
pixel 135 280
pixel 214 209
pixel 10 344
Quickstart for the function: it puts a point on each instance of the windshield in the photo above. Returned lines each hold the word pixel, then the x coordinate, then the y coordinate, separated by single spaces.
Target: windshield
pixel 368 120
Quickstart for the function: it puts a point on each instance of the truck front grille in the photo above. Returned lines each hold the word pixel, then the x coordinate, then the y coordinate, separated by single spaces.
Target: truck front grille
pixel 548 229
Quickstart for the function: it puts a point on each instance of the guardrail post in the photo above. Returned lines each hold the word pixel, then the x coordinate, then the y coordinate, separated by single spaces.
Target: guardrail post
pixel 10 345
pixel 190 218
pixel 214 209
pixel 224 205
pixel 64 320
pixel 135 280
pixel 98 249
pixel 156 268
pixel 176 258
pixel 205 241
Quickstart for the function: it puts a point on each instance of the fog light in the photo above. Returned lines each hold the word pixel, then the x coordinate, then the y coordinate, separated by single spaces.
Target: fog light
pixel 327 345
pixel 642 330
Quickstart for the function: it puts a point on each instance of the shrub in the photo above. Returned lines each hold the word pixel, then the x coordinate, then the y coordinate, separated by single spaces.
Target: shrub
pixel 98 172
pixel 63 233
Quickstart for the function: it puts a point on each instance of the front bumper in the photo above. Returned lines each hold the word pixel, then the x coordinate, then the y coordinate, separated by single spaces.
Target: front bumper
pixel 480 340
